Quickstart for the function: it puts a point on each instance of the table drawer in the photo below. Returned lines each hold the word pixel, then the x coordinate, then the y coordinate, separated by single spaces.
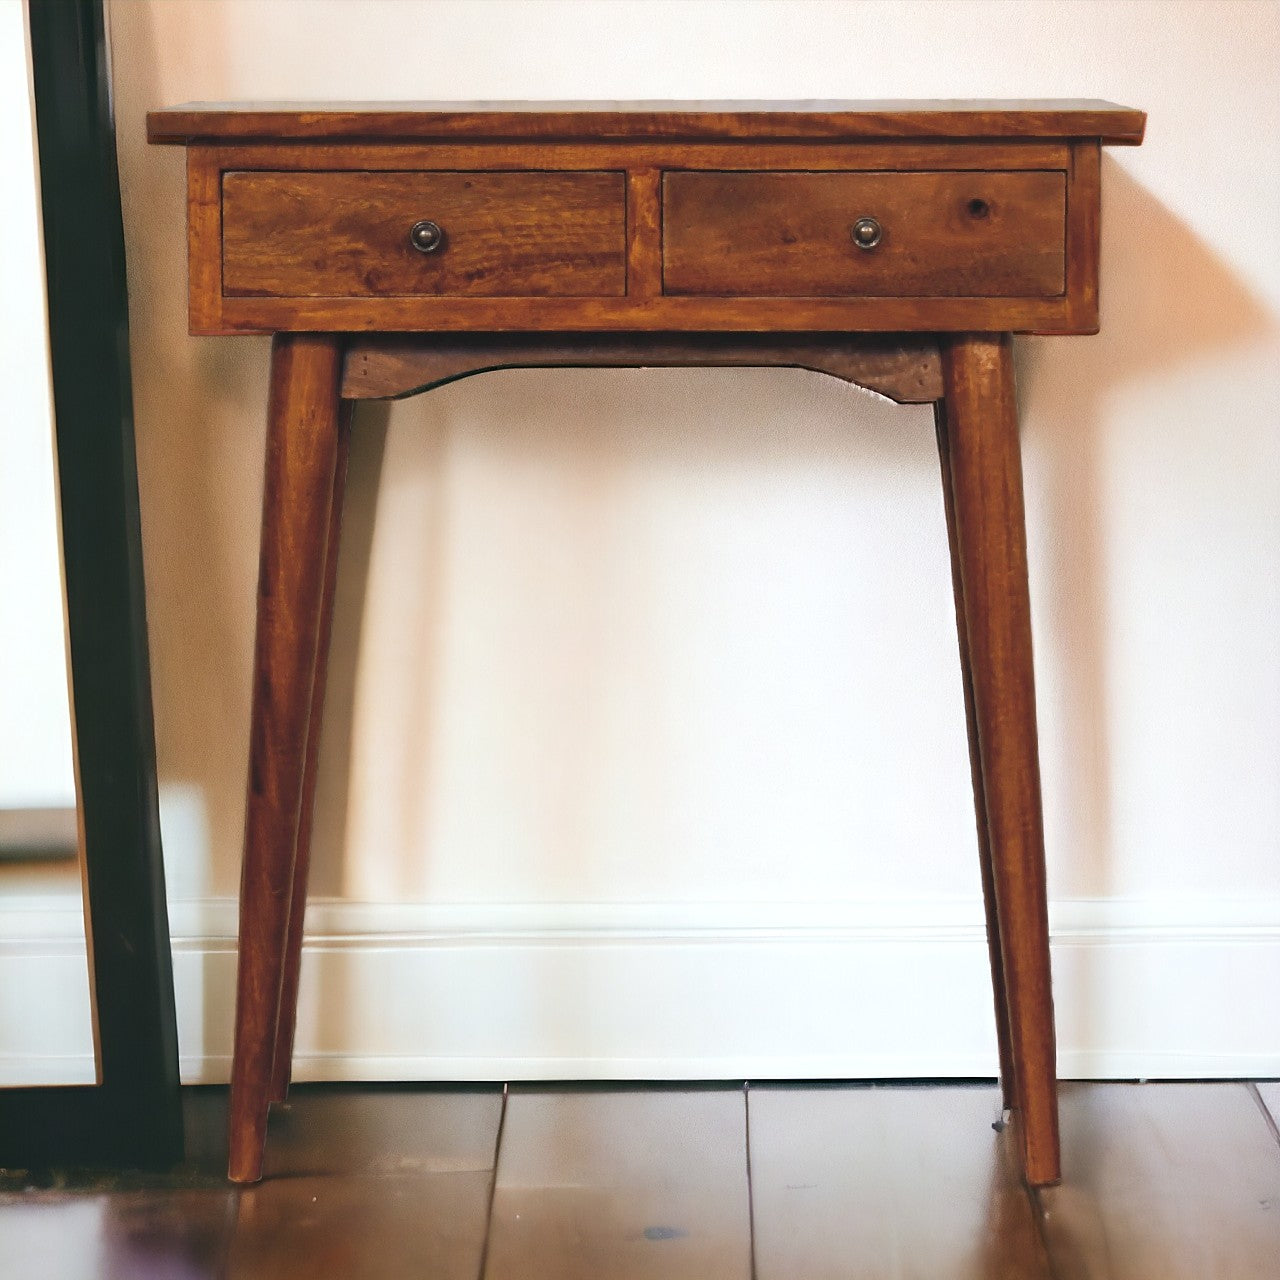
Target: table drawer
pixel 941 234
pixel 347 234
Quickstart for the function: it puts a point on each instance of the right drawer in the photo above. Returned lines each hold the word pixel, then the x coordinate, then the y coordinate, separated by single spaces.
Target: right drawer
pixel 936 234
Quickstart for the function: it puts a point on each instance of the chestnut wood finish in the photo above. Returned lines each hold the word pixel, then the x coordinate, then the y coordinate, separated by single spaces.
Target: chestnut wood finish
pixel 301 468
pixel 255 236
pixel 645 234
pixel 853 315
pixel 984 467
pixel 682 121
pixel 505 234
pixel 787 235
pixel 995 951
pixel 408 154
pixel 906 370
pixel 282 1058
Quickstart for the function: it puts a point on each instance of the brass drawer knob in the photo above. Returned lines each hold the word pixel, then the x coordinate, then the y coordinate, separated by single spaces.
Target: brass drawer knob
pixel 426 237
pixel 866 233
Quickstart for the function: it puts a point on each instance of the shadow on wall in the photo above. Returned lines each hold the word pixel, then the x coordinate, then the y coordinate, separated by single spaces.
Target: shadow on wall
pixel 333 781
pixel 594 438
pixel 1168 300
pixel 200 438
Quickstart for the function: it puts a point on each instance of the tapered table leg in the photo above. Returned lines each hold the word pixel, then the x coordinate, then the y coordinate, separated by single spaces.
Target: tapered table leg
pixel 985 469
pixel 994 950
pixel 301 462
pixel 287 1022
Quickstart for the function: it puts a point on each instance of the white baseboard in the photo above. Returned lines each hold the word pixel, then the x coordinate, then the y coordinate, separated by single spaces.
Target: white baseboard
pixel 885 989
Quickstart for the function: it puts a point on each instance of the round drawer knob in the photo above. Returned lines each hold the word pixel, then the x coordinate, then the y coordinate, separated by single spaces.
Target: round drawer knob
pixel 866 233
pixel 426 237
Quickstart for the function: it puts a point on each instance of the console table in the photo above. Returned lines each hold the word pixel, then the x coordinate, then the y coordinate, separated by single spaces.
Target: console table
pixel 392 248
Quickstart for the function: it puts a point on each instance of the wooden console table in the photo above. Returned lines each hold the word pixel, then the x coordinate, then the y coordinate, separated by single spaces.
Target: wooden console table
pixel 896 245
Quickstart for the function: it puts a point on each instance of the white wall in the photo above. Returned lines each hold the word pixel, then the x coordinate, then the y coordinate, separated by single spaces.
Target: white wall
pixel 645 693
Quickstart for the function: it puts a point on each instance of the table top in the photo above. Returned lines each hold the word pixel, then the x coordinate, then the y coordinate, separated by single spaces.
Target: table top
pixel 817 120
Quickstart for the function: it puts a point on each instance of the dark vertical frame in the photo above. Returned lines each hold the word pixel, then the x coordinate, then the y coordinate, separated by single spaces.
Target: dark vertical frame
pixel 133 1118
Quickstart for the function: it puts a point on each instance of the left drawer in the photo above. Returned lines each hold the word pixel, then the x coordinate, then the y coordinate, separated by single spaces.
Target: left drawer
pixel 347 234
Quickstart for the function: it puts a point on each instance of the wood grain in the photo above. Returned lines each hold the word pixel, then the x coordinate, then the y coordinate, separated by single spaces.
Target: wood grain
pixel 506 234
pixel 644 233
pixel 995 952
pixel 875 1183
pixel 985 469
pixel 788 234
pixel 790 120
pixel 204 240
pixel 904 369
pixel 369 1183
pixel 1164 1182
pixel 302 449
pixel 879 154
pixel 613 1185
pixel 360 1228
pixel 287 1020
pixel 278 278
pixel 372 1129
pixel 651 315
pixel 341 1130
pixel 1084 232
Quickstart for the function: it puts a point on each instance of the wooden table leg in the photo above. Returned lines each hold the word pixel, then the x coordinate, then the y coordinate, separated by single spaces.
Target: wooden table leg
pixel 301 462
pixel 282 1069
pixel 985 469
pixel 994 950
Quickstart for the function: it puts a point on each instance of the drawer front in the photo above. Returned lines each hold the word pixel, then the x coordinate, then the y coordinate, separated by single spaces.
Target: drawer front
pixel 955 234
pixel 346 234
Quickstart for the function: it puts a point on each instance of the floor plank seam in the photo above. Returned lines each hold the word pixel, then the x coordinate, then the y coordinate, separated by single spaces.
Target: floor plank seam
pixel 493 1184
pixel 1268 1119
pixel 751 1194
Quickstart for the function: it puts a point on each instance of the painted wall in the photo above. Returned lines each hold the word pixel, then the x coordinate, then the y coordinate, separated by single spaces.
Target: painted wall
pixel 645 695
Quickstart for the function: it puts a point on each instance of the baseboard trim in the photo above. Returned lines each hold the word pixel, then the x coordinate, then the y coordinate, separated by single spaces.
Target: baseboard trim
pixel 77 1069
pixel 1145 988
pixel 1103 921
pixel 54 919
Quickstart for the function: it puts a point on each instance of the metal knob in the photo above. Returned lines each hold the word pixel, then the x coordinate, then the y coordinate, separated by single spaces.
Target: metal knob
pixel 426 237
pixel 866 233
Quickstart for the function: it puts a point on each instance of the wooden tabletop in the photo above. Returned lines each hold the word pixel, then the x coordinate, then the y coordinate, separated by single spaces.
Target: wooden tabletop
pixel 577 121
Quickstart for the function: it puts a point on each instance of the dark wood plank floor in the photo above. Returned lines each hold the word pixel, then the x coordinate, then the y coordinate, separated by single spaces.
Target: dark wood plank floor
pixel 781 1182
pixel 860 1184
pixel 632 1186
pixel 1208 1151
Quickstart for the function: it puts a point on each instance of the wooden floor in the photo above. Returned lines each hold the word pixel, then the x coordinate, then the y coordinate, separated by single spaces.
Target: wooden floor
pixel 1162 1182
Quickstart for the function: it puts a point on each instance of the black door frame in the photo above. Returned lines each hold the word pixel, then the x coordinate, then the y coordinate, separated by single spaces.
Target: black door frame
pixel 133 1118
